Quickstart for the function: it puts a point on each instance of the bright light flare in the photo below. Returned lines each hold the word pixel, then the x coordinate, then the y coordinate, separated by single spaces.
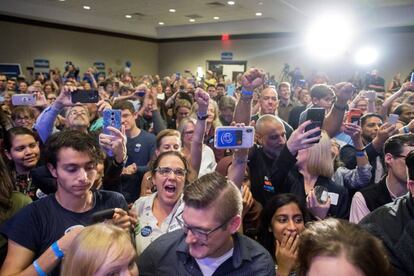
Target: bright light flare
pixel 329 36
pixel 366 56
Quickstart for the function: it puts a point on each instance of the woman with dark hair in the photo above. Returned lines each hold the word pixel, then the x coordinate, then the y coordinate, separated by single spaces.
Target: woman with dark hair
pixel 283 220
pixel 337 247
pixel 10 202
pixel 22 150
pixel 157 213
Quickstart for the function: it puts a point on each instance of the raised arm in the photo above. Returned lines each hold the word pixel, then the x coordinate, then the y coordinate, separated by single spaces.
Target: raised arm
pixel 388 101
pixel 250 80
pixel 202 98
pixel 46 120
pixel 333 120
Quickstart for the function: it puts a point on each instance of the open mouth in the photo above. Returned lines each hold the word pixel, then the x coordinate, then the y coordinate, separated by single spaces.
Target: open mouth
pixel 170 188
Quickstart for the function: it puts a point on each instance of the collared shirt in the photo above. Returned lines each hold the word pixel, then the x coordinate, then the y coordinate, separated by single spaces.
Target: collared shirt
pixel 169 255
pixel 283 111
pixel 148 229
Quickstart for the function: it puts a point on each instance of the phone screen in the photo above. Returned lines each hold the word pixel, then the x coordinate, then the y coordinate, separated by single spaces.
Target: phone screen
pixel 85 96
pixel 229 138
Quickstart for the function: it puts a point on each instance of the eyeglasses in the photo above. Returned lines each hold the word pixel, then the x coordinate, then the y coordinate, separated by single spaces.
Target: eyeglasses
pixel 400 156
pixel 166 171
pixel 197 232
pixel 74 113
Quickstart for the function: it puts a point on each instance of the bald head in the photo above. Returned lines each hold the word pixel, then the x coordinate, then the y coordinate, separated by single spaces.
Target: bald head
pixel 268 120
pixel 268 101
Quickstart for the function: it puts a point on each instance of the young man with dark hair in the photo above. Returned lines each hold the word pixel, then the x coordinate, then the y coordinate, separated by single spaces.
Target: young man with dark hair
pixel 140 148
pixel 393 223
pixel 43 231
pixel 392 185
pixel 208 243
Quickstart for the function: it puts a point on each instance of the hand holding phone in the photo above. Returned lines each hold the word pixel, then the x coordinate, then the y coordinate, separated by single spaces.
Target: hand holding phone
pixel 316 115
pixel 393 119
pixel 111 118
pixel 353 116
pixel 103 215
pixel 228 137
pixel 371 95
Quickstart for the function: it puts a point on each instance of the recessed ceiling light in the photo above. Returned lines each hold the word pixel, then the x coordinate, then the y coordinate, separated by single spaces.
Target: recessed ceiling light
pixel 160 23
pixel 231 3
pixel 192 20
pixel 260 3
pixel 216 18
pixel 258 14
pixel 128 16
pixel 172 10
pixel 86 7
pixel 62 0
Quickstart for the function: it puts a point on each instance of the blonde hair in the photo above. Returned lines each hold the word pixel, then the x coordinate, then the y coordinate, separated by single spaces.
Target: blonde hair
pixel 183 125
pixel 216 121
pixel 90 248
pixel 319 161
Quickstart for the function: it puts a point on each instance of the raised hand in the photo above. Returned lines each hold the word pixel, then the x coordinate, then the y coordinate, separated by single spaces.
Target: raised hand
pixel 299 139
pixel 203 99
pixel 252 79
pixel 65 98
pixel 115 143
pixel 355 132
pixel 344 92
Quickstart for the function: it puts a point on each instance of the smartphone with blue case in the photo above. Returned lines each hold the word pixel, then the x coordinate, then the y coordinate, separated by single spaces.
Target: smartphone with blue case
pixel 228 137
pixel 111 117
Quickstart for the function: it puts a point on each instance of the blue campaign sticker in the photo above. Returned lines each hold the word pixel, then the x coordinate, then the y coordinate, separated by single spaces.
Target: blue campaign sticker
pixel 146 231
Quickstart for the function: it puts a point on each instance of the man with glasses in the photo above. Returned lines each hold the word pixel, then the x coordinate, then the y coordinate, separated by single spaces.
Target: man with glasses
pixel 208 243
pixel 392 185
pixel 393 223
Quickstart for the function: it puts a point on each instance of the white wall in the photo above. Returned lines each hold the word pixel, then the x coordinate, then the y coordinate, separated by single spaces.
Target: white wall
pixel 22 43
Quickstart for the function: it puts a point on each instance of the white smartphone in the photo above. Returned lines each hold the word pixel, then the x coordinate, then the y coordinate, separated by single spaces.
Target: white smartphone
pixel 24 99
pixel 393 119
pixel 228 137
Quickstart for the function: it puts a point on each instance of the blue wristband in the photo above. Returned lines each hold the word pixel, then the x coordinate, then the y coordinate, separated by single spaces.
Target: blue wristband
pixel 38 269
pixel 58 252
pixel 360 153
pixel 246 92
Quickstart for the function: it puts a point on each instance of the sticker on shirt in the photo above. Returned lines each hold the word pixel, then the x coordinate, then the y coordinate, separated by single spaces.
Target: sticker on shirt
pixel 334 198
pixel 267 185
pixel 137 147
pixel 146 231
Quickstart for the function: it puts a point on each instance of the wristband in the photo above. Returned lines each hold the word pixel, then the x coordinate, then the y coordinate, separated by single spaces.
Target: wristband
pixel 202 117
pixel 58 252
pixel 406 130
pixel 38 269
pixel 247 93
pixel 360 153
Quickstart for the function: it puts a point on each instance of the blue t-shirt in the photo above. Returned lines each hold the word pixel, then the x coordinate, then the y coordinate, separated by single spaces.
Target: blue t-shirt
pixel 140 149
pixel 44 221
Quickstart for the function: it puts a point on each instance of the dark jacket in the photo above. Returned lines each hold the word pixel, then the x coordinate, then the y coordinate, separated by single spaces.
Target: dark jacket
pixel 393 223
pixel 169 255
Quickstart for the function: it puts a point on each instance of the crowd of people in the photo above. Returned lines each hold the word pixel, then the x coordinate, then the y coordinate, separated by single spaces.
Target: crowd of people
pixel 156 197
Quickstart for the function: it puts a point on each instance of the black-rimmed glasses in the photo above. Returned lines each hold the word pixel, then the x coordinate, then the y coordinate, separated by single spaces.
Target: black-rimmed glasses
pixel 197 232
pixel 166 171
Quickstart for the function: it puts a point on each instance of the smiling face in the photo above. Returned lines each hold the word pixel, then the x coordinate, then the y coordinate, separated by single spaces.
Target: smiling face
pixel 287 220
pixel 169 186
pixel 24 152
pixel 218 242
pixel 268 101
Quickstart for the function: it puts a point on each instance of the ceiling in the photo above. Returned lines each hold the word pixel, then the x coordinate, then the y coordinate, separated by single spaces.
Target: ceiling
pixel 240 18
